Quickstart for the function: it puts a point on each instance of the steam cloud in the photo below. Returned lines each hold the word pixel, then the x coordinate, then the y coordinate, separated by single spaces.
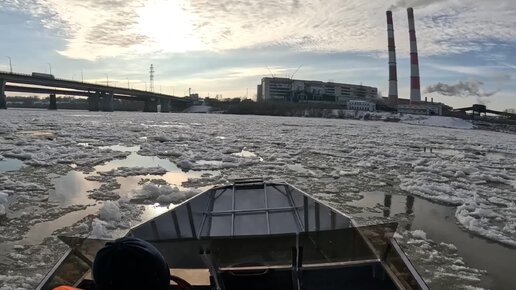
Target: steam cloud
pixel 412 3
pixel 471 88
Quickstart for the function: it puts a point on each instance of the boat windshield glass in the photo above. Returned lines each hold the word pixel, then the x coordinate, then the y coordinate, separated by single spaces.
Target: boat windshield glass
pixel 342 245
pixel 308 248
pixel 351 245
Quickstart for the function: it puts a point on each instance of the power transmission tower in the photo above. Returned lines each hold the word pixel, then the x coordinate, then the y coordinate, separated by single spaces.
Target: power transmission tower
pixel 151 78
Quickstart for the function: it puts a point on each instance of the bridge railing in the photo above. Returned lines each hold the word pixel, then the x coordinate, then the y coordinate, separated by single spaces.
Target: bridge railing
pixel 87 83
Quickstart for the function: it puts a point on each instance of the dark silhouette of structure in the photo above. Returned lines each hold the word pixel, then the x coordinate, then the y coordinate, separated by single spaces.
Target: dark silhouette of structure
pixel 478 109
pixel 100 97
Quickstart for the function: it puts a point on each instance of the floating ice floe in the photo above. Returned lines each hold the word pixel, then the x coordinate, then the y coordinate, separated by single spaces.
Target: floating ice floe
pixel 437 121
pixel 3 203
pixel 338 160
pixel 185 164
pixel 164 194
pixel 99 230
pixel 488 221
pixel 441 264
pixel 134 171
pixel 110 211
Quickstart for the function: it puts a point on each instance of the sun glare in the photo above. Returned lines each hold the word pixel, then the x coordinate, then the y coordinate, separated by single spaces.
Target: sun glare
pixel 170 25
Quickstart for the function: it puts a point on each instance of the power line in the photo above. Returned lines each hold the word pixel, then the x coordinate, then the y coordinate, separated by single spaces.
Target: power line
pixel 151 78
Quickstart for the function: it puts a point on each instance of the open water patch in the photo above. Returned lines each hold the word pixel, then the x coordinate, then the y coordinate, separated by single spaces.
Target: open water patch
pixel 135 159
pixel 75 188
pixel 72 189
pixel 439 223
pixel 40 231
pixel 10 164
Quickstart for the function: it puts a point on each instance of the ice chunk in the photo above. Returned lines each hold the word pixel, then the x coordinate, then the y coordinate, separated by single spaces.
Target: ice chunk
pixel 133 171
pixel 185 164
pixel 110 211
pixel 161 138
pixel 419 234
pixel 479 219
pixel 152 191
pixel 99 229
pixel 164 194
pixel 437 121
pixel 171 198
pixel 3 203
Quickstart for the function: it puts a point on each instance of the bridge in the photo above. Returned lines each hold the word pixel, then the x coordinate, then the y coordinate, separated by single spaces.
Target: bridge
pixel 478 109
pixel 100 97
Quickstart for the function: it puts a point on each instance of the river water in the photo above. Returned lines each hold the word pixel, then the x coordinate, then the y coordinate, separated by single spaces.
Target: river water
pixel 451 191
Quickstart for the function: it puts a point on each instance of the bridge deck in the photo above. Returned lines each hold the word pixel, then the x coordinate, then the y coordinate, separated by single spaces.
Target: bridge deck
pixel 54 83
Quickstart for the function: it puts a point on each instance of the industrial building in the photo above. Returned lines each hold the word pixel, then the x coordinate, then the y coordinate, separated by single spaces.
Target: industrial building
pixel 357 105
pixel 406 106
pixel 291 90
pixel 414 105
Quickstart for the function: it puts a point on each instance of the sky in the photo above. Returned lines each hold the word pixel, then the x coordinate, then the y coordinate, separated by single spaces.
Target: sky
pixel 467 48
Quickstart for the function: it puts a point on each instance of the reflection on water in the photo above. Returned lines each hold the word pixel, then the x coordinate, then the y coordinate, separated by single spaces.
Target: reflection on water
pixel 9 164
pixel 381 204
pixel 134 159
pixel 131 183
pixel 438 221
pixel 40 231
pixel 154 210
pixel 72 189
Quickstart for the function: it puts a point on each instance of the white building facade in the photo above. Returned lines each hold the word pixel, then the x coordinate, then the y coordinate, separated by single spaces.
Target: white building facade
pixel 358 105
pixel 285 89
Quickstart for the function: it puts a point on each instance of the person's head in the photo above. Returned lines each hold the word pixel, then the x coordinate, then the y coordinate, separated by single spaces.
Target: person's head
pixel 130 263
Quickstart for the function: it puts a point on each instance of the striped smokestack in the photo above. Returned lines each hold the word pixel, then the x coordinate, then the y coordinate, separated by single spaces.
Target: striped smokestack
pixel 415 90
pixel 393 74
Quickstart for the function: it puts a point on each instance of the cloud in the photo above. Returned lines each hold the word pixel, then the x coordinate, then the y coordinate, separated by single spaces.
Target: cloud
pixel 102 28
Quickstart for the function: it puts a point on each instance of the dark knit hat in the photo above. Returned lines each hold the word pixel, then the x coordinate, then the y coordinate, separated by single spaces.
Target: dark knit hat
pixel 130 263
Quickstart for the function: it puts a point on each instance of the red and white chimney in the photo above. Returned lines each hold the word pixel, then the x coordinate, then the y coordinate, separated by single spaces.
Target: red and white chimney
pixel 393 71
pixel 415 87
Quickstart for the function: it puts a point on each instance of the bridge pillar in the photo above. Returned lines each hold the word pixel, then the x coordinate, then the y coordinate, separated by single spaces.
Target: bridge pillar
pixel 52 105
pixel 165 105
pixel 107 102
pixel 3 99
pixel 151 105
pixel 94 101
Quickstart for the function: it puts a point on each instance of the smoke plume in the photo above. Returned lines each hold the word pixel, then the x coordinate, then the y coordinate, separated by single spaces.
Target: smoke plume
pixel 501 77
pixel 470 88
pixel 403 4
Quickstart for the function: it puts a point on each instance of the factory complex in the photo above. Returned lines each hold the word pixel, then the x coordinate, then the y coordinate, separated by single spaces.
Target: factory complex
pixel 285 89
pixel 358 97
